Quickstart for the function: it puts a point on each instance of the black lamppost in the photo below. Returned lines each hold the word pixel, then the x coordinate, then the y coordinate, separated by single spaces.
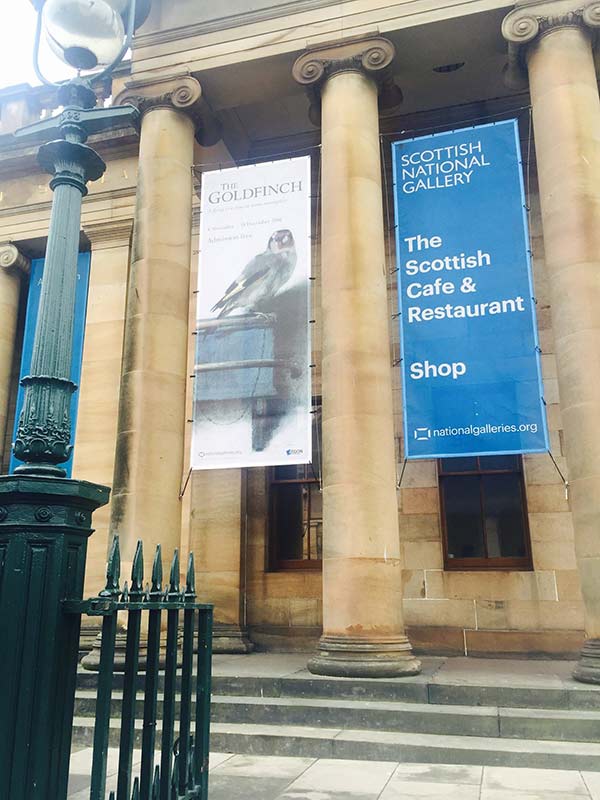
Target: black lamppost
pixel 45 518
pixel 85 34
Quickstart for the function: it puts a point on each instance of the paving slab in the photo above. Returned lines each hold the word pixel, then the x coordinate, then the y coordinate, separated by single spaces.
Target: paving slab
pixel 216 759
pixel 511 794
pixel 534 780
pixel 267 766
pixel 550 674
pixel 231 787
pixel 592 782
pixel 329 775
pixel 423 790
pixel 320 794
pixel 440 773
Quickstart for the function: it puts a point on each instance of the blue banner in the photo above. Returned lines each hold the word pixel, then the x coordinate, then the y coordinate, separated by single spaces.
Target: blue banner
pixel 33 302
pixel 470 357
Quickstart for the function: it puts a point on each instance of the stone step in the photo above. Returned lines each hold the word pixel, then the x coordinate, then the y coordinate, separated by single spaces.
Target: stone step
pixel 488 721
pixel 320 742
pixel 416 690
pixel 577 696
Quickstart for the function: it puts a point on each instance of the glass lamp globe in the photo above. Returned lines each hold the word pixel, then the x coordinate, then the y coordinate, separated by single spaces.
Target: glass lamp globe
pixel 85 33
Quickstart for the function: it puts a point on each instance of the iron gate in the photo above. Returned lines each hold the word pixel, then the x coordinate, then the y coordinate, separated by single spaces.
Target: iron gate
pixel 180 770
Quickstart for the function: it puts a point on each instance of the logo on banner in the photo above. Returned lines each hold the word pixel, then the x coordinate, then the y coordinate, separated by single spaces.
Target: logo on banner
pixel 422 434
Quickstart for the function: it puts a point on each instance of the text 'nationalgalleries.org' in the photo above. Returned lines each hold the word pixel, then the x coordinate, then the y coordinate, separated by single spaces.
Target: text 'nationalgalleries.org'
pixel 424 434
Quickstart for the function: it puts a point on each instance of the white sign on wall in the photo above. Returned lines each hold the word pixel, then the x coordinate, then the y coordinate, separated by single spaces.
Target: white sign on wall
pixel 252 396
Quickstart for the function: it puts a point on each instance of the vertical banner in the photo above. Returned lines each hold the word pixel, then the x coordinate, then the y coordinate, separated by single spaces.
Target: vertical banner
pixel 252 397
pixel 470 356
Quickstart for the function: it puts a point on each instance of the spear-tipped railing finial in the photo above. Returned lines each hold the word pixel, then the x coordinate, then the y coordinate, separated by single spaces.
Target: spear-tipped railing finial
pixel 113 570
pixel 174 592
pixel 157 574
pixel 190 580
pixel 136 592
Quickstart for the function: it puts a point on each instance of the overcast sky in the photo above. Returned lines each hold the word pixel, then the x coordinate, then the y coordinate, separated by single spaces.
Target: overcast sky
pixel 17 23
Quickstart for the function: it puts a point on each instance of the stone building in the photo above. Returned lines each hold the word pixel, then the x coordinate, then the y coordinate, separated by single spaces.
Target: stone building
pixel 372 571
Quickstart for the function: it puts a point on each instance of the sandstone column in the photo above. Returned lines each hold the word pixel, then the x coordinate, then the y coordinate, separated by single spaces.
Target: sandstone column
pixel 363 630
pixel 566 115
pixel 13 265
pixel 150 440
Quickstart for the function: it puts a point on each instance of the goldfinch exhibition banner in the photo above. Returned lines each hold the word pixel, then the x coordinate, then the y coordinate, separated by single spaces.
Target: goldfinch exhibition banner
pixel 252 383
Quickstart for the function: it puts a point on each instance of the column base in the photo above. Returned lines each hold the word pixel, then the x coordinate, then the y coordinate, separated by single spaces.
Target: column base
pixel 91 661
pixel 230 639
pixel 88 636
pixel 588 667
pixel 226 639
pixel 347 657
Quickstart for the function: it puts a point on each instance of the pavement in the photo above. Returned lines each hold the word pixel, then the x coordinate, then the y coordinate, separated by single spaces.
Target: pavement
pixel 239 777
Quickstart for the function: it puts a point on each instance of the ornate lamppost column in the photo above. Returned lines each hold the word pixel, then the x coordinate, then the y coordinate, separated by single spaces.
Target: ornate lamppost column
pixel 45 519
pixel 14 266
pixel 551 43
pixel 363 629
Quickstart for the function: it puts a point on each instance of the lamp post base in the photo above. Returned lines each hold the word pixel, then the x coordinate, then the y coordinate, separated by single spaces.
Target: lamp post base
pixel 44 527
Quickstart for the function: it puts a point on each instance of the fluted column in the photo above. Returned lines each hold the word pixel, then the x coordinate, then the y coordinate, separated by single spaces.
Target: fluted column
pixel 363 630
pixel 150 439
pixel 554 44
pixel 13 266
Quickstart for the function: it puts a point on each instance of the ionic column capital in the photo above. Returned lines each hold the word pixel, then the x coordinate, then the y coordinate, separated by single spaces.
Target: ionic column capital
pixel 529 21
pixel 181 92
pixel 371 55
pixel 11 258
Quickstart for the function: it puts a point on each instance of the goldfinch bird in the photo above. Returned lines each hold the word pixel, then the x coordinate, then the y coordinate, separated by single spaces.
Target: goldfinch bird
pixel 262 277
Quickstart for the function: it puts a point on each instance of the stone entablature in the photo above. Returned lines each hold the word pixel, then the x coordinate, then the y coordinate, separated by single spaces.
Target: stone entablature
pixel 278 31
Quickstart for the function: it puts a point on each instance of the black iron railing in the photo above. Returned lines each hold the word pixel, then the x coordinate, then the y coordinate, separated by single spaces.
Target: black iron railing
pixel 180 771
